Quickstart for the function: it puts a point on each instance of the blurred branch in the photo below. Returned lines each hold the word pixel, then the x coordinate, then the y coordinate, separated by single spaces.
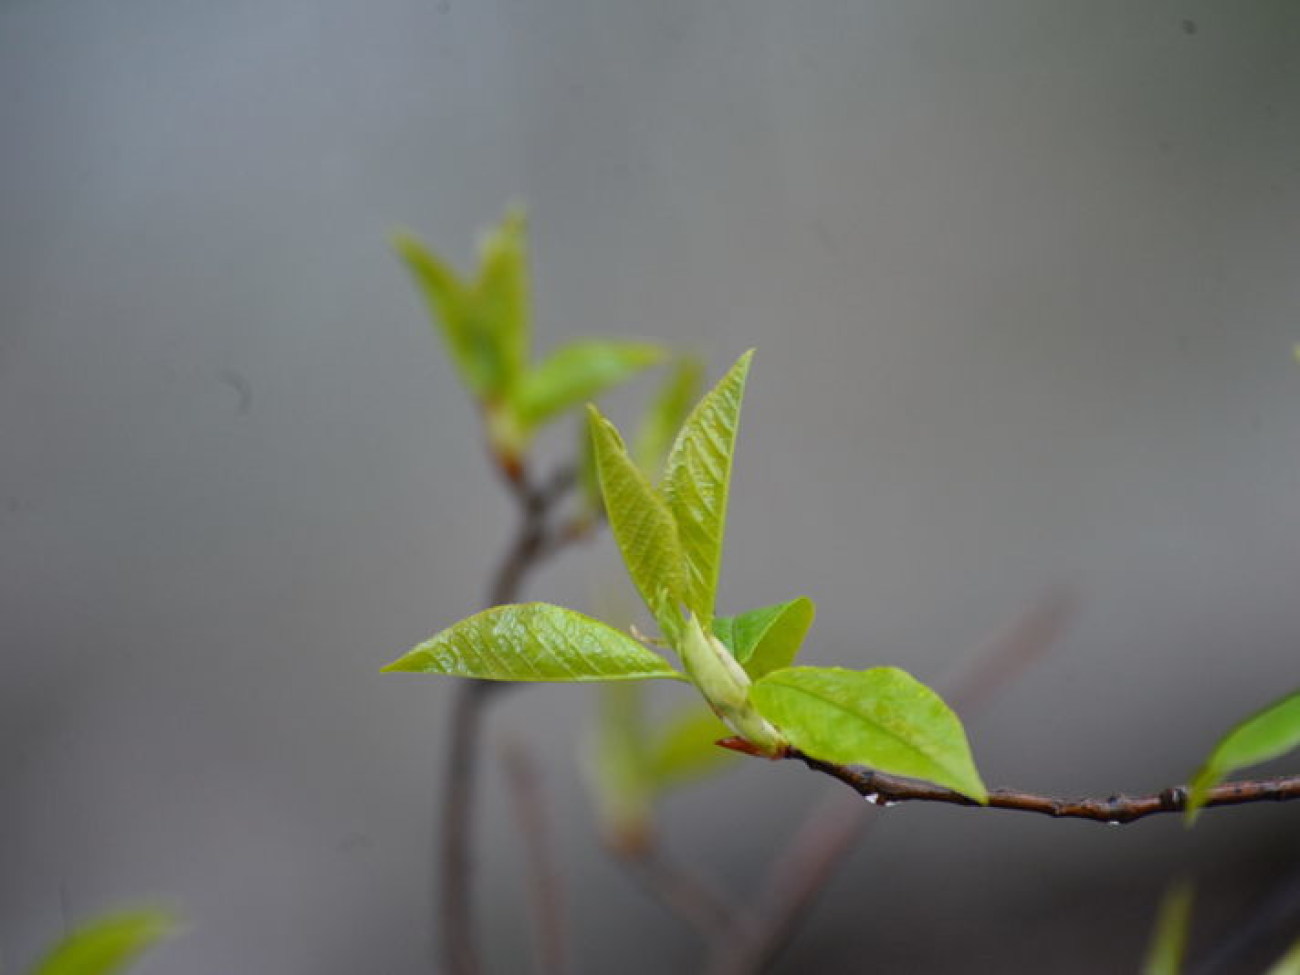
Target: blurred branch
pixel 524 782
pixel 535 540
pixel 1278 914
pixel 682 891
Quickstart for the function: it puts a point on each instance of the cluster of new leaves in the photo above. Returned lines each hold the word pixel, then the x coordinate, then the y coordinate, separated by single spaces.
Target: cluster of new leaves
pixel 487 326
pixel 108 944
pixel 671 536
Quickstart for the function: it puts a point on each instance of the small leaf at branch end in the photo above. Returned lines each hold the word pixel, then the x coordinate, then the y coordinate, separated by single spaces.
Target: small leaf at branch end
pixel 882 718
pixel 107 945
pixel 688 748
pixel 666 414
pixel 500 313
pixel 1169 939
pixel 767 639
pixel 1288 964
pixel 448 299
pixel 534 642
pixel 577 372
pixel 697 479
pixel 1266 735
pixel 641 523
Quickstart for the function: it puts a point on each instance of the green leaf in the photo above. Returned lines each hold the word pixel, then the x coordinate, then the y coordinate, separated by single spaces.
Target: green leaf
pixel 882 718
pixel 667 413
pixel 696 481
pixel 108 944
pixel 1169 940
pixel 619 768
pixel 448 300
pixel 577 372
pixel 499 313
pixel 642 525
pixel 767 639
pixel 534 642
pixel 1269 734
pixel 1288 964
pixel 688 748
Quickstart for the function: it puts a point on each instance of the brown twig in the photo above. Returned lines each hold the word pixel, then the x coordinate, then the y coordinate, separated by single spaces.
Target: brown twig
pixel 534 542
pixel 885 789
pixel 524 782
pixel 822 842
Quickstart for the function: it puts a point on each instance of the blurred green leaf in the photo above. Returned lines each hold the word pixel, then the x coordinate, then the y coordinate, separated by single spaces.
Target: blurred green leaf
pixel 108 944
pixel 882 718
pixel 499 313
pixel 1268 734
pixel 642 525
pixel 448 300
pixel 620 768
pixel 577 372
pixel 534 642
pixel 687 748
pixel 696 481
pixel 666 414
pixel 1168 945
pixel 1288 964
pixel 767 639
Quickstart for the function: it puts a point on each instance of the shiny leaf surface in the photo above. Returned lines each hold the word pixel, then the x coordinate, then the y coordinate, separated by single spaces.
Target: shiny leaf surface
pixel 534 642
pixel 767 639
pixel 696 481
pixel 641 523
pixel 882 718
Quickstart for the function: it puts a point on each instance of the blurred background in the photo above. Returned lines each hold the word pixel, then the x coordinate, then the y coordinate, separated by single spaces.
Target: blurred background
pixel 1022 276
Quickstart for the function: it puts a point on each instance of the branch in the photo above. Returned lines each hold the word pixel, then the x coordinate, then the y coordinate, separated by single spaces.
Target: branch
pixel 534 542
pixel 524 781
pixel 885 790
pixel 793 882
pixel 822 842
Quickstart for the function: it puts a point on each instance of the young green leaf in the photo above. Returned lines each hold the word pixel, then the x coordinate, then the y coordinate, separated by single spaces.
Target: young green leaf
pixel 448 300
pixel 882 718
pixel 642 525
pixel 534 642
pixel 499 312
pixel 688 749
pixel 1268 734
pixel 577 372
pixel 666 414
pixel 766 639
pixel 619 768
pixel 1169 939
pixel 1288 964
pixel 108 944
pixel 696 480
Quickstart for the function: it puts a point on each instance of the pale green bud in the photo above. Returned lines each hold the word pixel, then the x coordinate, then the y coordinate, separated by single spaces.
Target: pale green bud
pixel 725 685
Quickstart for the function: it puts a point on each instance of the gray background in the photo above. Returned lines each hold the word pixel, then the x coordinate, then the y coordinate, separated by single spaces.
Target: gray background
pixel 1023 281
